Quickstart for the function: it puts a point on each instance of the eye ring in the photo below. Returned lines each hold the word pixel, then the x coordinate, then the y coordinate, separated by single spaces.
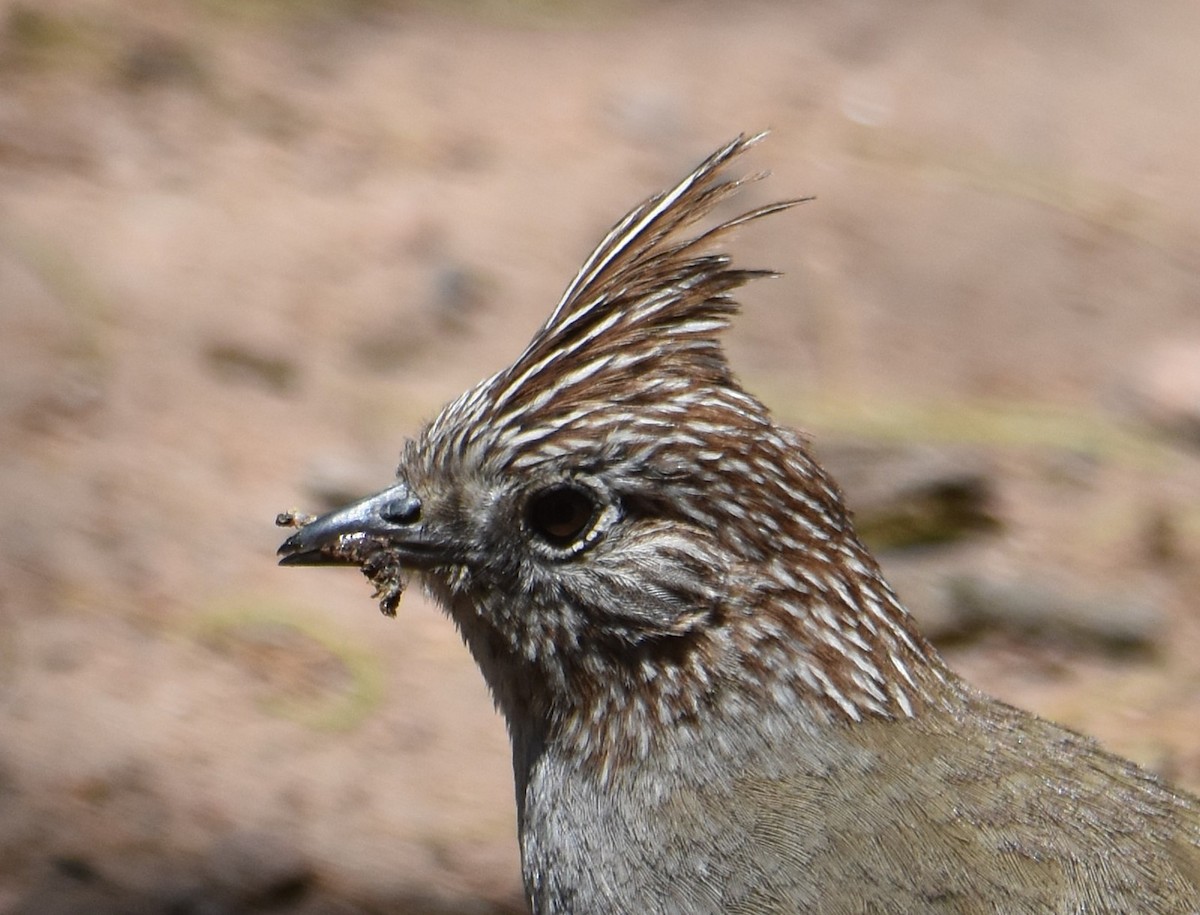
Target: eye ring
pixel 562 514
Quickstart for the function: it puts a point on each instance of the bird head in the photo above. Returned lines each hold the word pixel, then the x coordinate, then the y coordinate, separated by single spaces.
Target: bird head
pixel 623 536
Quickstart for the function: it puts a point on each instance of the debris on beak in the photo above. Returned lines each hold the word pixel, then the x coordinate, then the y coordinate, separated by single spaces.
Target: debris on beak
pixel 382 566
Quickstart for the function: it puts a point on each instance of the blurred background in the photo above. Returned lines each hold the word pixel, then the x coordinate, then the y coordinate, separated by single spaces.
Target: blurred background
pixel 247 246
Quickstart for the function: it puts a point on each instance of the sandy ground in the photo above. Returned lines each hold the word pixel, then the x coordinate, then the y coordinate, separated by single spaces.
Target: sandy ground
pixel 246 248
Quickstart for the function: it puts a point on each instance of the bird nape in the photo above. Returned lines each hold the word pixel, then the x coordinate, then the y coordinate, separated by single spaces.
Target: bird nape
pixel 715 701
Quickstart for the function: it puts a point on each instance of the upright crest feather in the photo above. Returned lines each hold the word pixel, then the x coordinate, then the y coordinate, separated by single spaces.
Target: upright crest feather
pixel 646 306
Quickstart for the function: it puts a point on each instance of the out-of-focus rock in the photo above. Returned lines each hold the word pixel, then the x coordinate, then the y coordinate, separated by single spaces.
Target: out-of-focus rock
pixel 1053 611
pixel 459 291
pixel 158 59
pixel 237 361
pixel 68 887
pixel 955 597
pixel 913 495
pixel 259 868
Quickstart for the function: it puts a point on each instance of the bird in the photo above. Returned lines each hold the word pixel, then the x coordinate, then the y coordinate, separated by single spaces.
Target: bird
pixel 715 701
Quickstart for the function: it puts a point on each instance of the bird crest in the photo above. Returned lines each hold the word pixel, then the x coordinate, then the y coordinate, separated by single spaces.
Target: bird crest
pixel 638 326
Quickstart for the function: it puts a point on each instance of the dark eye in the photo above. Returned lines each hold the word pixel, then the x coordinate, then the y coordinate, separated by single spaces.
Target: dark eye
pixel 561 514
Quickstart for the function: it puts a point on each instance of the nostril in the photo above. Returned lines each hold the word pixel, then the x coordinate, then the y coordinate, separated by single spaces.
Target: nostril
pixel 402 511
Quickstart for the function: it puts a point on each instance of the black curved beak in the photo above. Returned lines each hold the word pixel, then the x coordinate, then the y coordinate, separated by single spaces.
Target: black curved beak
pixel 389 520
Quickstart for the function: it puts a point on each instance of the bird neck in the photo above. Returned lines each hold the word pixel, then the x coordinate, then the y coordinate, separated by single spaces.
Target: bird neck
pixel 806 650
